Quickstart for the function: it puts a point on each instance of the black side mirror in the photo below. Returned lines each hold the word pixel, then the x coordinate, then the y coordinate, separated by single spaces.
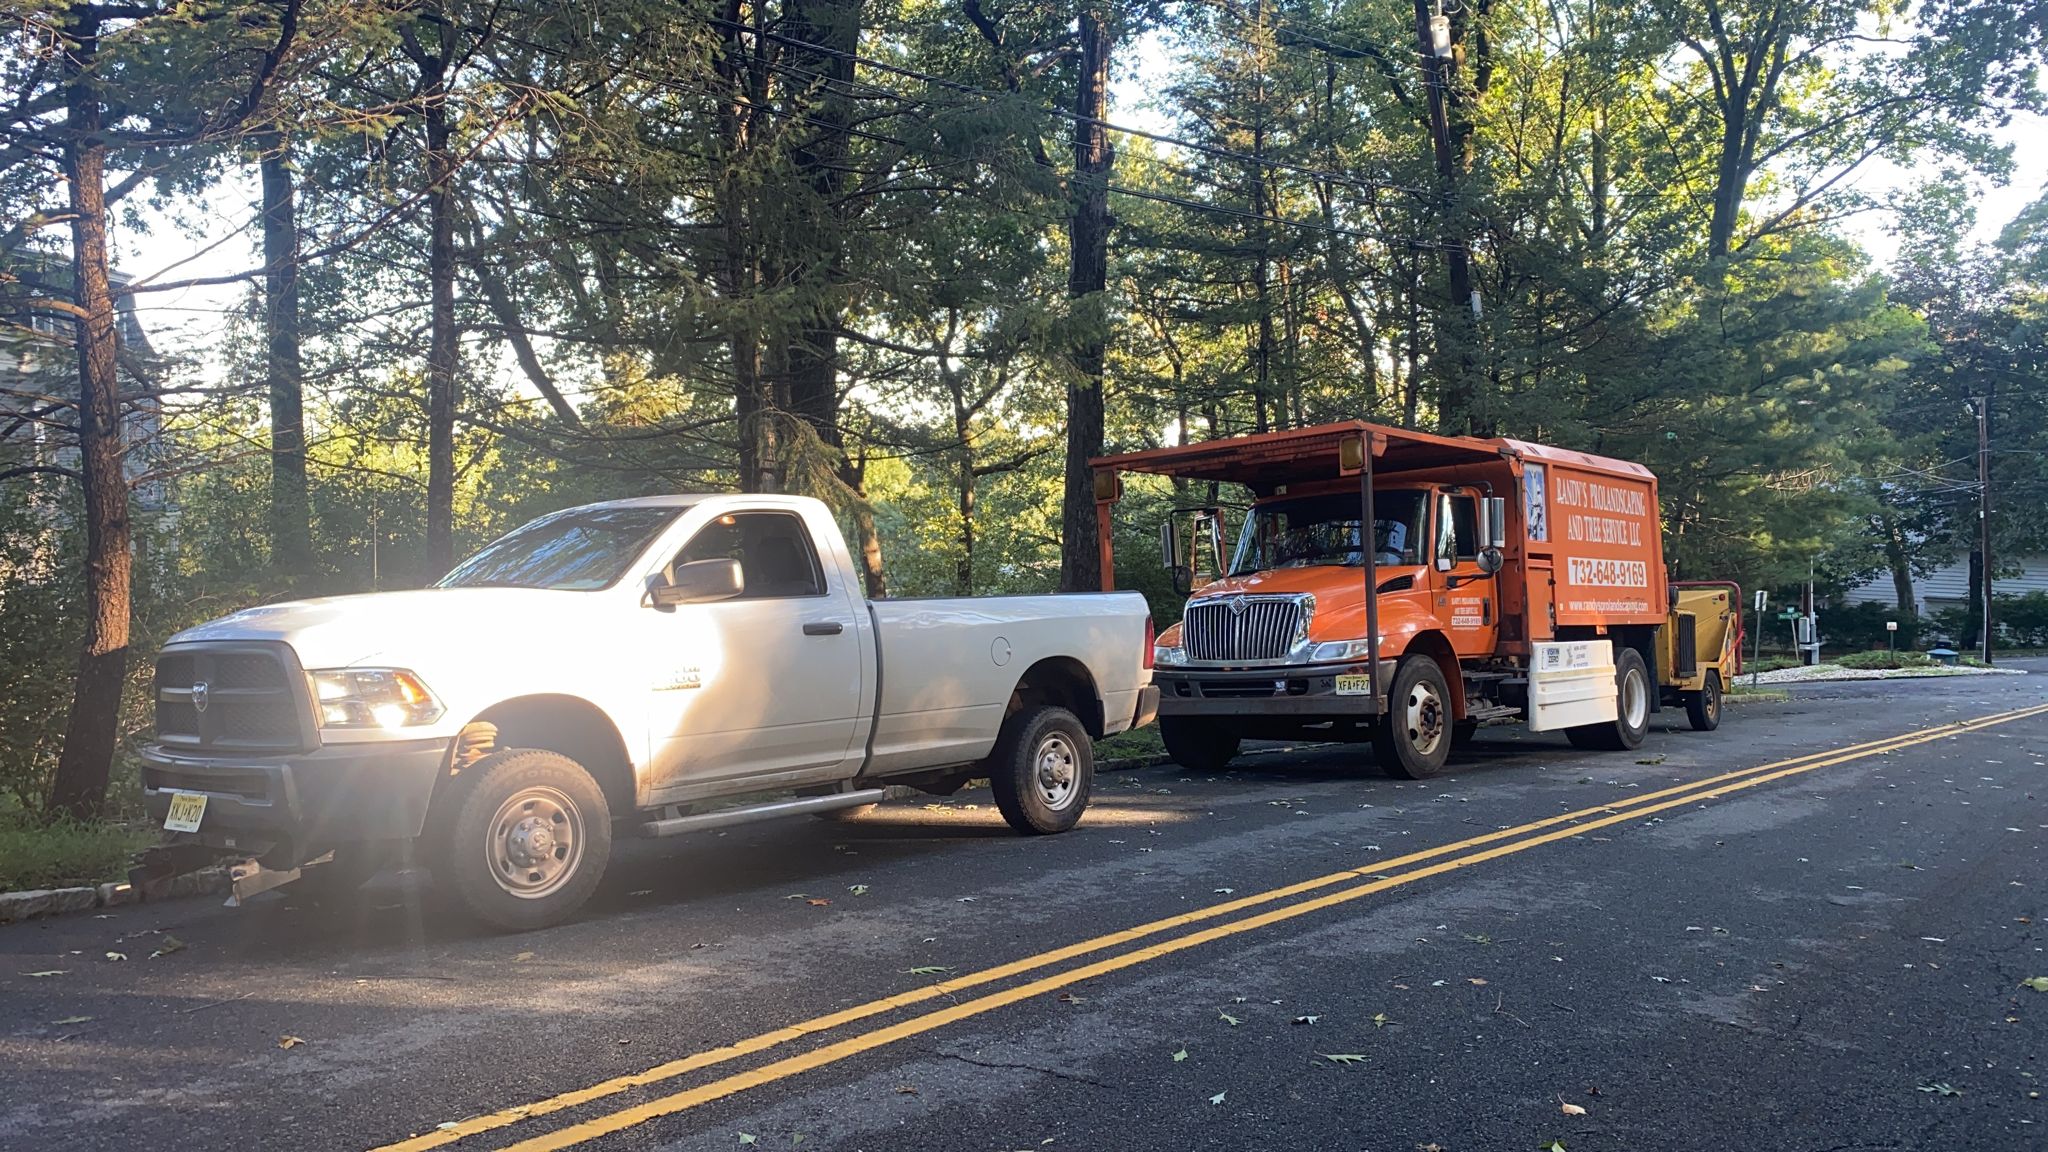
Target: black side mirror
pixel 1183 579
pixel 698 582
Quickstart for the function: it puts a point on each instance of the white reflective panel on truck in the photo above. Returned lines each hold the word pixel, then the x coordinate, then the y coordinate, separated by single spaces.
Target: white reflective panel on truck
pixel 1571 682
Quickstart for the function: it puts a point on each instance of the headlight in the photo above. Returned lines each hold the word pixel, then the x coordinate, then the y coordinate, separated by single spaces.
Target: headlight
pixel 1161 654
pixel 1341 650
pixel 372 698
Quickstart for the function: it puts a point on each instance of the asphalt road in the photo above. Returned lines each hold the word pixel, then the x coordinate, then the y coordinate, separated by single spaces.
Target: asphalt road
pixel 1823 954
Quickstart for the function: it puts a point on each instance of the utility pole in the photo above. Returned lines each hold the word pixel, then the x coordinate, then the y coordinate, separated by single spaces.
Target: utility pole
pixel 1983 404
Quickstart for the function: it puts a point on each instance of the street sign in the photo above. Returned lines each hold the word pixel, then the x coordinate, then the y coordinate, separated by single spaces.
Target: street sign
pixel 1891 625
pixel 1763 599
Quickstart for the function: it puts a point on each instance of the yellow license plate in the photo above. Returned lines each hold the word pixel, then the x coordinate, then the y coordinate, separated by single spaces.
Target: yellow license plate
pixel 1354 685
pixel 187 810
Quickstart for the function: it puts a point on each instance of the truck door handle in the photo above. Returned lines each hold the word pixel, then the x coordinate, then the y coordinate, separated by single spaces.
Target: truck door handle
pixel 823 627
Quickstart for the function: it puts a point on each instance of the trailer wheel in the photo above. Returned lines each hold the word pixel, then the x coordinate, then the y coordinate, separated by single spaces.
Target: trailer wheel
pixel 1703 707
pixel 1198 745
pixel 1042 770
pixel 1631 709
pixel 1414 739
pixel 524 839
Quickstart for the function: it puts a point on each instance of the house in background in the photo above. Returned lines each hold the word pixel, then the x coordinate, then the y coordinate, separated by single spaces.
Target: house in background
pixel 1949 585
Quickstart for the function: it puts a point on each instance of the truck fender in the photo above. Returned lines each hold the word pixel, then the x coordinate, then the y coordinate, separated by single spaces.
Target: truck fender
pixel 1437 648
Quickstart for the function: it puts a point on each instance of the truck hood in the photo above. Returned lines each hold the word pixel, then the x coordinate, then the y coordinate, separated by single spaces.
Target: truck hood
pixel 340 631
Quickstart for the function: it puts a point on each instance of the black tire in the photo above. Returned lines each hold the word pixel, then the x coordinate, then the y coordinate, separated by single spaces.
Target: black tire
pixel 1414 739
pixel 1198 745
pixel 1631 721
pixel 1042 770
pixel 1703 707
pixel 523 838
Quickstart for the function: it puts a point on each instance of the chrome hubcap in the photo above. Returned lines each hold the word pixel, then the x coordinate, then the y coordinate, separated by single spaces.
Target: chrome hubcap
pixel 1422 714
pixel 536 842
pixel 1056 772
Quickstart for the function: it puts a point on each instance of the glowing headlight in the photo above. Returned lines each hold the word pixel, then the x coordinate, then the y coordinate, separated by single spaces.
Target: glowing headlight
pixel 1341 650
pixel 372 698
pixel 1161 654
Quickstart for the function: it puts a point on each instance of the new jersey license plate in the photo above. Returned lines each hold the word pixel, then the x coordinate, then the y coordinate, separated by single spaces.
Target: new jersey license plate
pixel 187 810
pixel 1359 685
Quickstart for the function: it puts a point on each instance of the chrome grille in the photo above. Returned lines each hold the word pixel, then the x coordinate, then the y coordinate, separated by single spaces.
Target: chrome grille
pixel 246 697
pixel 1230 628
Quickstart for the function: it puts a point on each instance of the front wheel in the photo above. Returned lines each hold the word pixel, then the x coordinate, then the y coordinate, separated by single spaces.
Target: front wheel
pixel 1042 770
pixel 1413 739
pixel 525 841
pixel 1703 707
pixel 1198 745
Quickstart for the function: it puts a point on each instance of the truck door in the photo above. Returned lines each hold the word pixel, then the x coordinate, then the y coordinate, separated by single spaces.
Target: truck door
pixel 766 684
pixel 1467 599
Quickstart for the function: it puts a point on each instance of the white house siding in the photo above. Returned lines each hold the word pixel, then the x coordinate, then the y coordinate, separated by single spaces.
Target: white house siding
pixel 1949 585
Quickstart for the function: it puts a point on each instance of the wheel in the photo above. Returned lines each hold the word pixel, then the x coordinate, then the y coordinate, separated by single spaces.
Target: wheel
pixel 525 838
pixel 1703 707
pixel 1041 770
pixel 1198 745
pixel 1631 709
pixel 1413 740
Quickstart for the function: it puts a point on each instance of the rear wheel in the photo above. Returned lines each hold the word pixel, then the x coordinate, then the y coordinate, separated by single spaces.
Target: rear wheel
pixel 1631 709
pixel 1703 707
pixel 525 838
pixel 1198 745
pixel 1042 770
pixel 1413 740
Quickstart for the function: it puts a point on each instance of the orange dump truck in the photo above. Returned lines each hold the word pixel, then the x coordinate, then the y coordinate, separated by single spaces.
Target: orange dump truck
pixel 1501 579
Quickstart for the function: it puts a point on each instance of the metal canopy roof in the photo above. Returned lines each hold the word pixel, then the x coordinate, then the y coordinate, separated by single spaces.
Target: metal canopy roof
pixel 1298 455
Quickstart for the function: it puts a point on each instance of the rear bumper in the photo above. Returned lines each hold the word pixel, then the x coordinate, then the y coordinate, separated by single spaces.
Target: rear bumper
pixel 1277 691
pixel 302 805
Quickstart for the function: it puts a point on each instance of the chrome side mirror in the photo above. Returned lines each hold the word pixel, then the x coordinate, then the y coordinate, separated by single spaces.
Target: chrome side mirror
pixel 1491 559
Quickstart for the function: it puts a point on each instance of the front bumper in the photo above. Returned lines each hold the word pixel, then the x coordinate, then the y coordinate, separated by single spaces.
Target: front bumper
pixel 1279 690
pixel 301 805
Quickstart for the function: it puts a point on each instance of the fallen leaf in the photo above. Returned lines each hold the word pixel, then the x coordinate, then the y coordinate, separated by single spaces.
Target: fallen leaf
pixel 969 899
pixel 171 944
pixel 2037 983
pixel 1070 998
pixel 1218 1098
pixel 1343 1057
pixel 1651 760
pixel 1225 891
pixel 747 1138
pixel 50 972
pixel 1180 1056
pixel 1934 939
pixel 117 955
pixel 906 1090
pixel 1941 1089
pixel 1438 983
pixel 1571 1109
pixel 798 896
pixel 72 1020
pixel 522 958
pixel 1227 1018
pixel 1379 1020
pixel 817 902
pixel 1553 1146
pixel 926 970
pixel 289 1041
pixel 858 889
pixel 1306 1019
pixel 1477 980
pixel 1661 979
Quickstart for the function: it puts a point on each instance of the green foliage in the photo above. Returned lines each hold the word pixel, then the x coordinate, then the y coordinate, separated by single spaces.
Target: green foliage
pixel 1859 626
pixel 1887 660
pixel 39 854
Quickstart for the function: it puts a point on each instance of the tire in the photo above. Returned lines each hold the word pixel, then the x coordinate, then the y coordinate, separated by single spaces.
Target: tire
pixel 1414 739
pixel 523 839
pixel 1042 770
pixel 1631 707
pixel 1198 745
pixel 1703 707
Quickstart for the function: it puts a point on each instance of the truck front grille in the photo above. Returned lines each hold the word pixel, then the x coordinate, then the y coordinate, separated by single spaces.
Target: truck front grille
pixel 1232 628
pixel 247 697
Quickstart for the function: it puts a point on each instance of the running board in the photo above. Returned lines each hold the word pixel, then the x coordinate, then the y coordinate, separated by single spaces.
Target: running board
pixel 726 818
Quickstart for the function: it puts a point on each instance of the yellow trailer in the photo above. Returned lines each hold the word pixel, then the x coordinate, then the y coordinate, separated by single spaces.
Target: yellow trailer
pixel 1701 648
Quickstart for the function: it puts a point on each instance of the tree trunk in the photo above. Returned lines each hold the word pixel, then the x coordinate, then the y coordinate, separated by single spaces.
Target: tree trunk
pixel 815 256
pixel 291 546
pixel 865 536
pixel 91 731
pixel 1901 566
pixel 1087 280
pixel 441 344
pixel 1454 395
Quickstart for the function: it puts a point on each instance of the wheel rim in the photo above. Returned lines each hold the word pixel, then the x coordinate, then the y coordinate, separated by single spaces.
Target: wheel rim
pixel 1056 771
pixel 535 842
pixel 1635 702
pixel 1422 717
pixel 1713 700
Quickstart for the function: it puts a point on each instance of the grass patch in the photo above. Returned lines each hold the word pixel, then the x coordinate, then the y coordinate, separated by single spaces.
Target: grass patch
pixel 65 854
pixel 1132 744
pixel 1770 664
pixel 1868 661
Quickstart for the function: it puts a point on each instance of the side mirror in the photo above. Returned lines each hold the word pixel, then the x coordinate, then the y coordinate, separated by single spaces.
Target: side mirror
pixel 1183 579
pixel 1491 560
pixel 1169 547
pixel 698 582
pixel 1493 522
pixel 1217 545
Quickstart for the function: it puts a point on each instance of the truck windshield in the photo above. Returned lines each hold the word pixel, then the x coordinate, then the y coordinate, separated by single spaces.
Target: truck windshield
pixel 580 550
pixel 1317 530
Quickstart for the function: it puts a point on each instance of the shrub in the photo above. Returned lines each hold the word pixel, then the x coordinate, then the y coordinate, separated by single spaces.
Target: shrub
pixel 1870 660
pixel 1854 627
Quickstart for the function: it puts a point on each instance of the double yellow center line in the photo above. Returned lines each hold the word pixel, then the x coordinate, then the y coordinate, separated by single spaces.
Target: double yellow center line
pixel 1378 876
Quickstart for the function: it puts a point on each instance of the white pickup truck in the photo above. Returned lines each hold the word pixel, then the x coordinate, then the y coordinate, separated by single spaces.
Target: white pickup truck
pixel 637 667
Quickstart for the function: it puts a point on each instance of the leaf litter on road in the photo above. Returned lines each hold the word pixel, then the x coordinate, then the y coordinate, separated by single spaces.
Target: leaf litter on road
pixel 289 1041
pixel 1344 1057
pixel 1180 1056
pixel 1227 1018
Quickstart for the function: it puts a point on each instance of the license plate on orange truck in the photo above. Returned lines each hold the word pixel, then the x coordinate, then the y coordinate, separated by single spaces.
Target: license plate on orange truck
pixel 1358 685
pixel 187 810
